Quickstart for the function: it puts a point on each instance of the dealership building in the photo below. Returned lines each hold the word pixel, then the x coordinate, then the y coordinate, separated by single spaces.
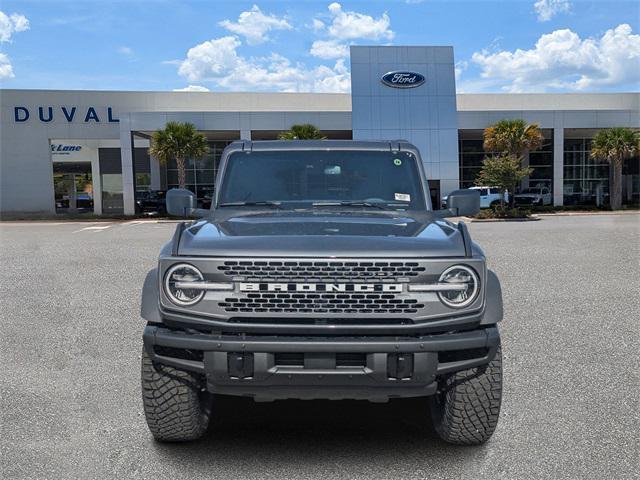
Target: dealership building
pixel 69 151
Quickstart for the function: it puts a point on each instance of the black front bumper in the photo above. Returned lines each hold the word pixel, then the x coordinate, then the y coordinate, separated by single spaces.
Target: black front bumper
pixel 275 367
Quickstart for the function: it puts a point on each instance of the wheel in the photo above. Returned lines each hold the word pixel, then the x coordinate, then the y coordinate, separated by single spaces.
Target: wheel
pixel 465 410
pixel 176 408
pixel 495 204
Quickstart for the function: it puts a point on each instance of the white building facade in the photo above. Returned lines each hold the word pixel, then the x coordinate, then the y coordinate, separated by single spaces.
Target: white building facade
pixel 74 151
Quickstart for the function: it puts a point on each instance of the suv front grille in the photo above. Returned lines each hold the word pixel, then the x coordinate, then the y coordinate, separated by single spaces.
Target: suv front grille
pixel 303 302
pixel 314 271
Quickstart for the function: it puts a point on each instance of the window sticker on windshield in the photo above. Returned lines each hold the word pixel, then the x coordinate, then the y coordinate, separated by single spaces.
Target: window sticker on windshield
pixel 402 197
pixel 397 162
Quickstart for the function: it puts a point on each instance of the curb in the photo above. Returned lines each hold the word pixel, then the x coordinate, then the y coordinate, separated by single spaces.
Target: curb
pixel 495 220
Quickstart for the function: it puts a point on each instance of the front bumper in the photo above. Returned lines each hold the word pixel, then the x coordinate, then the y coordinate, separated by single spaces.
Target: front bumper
pixel 278 367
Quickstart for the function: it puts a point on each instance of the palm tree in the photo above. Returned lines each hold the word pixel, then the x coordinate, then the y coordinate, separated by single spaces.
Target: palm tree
pixel 515 138
pixel 304 131
pixel 178 141
pixel 615 145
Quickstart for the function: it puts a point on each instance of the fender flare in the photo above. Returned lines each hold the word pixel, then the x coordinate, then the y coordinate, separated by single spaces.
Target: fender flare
pixel 150 296
pixel 493 312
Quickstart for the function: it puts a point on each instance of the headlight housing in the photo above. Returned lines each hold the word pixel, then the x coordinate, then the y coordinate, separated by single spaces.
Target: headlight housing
pixel 180 274
pixel 463 276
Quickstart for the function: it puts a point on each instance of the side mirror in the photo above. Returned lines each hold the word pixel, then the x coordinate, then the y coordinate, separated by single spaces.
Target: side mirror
pixel 182 203
pixel 462 203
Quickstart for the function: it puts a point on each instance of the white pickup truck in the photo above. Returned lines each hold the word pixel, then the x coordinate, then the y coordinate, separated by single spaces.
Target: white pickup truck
pixel 489 197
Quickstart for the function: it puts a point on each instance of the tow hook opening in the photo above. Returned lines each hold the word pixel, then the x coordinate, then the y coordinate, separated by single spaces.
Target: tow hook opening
pixel 400 366
pixel 240 364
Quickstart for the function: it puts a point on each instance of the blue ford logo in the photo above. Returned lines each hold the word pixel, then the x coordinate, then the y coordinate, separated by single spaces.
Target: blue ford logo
pixel 403 79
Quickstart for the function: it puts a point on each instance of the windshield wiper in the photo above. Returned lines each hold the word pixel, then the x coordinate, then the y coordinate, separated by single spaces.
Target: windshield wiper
pixel 350 203
pixel 259 203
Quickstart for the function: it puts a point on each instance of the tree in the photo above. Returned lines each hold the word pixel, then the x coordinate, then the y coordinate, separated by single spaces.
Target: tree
pixel 615 145
pixel 304 131
pixel 179 141
pixel 503 172
pixel 515 138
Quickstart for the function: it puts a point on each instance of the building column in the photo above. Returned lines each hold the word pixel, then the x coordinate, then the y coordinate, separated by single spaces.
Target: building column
pixel 245 134
pixel 154 165
pixel 97 184
pixel 126 159
pixel 558 165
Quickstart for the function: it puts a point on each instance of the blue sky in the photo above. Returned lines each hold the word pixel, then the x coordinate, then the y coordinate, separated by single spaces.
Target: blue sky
pixel 500 46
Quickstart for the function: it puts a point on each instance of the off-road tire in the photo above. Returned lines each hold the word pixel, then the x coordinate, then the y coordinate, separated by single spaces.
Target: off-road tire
pixel 465 410
pixel 176 408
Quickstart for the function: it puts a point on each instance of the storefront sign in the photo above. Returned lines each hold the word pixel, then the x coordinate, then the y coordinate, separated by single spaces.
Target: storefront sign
pixel 60 149
pixel 403 79
pixel 46 114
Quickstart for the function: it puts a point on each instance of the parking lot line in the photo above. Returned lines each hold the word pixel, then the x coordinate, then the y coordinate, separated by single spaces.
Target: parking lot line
pixel 94 228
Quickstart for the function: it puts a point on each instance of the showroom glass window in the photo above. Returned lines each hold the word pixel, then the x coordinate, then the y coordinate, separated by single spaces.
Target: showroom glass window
pixel 201 173
pixel 586 181
pixel 472 154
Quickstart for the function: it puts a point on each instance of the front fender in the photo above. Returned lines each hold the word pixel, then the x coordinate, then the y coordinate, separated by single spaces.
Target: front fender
pixel 150 296
pixel 493 310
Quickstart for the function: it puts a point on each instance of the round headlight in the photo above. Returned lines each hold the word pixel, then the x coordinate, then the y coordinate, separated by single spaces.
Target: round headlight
pixel 174 284
pixel 464 277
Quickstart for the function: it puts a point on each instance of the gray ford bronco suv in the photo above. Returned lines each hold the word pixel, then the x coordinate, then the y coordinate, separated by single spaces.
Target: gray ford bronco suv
pixel 322 271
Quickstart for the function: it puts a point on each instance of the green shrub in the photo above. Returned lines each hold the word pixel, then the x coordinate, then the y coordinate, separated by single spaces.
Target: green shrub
pixel 503 212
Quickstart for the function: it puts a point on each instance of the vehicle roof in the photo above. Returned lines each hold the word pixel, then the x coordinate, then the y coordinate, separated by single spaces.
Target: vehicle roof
pixel 266 145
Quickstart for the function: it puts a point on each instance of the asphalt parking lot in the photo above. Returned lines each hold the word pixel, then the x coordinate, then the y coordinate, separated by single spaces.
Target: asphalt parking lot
pixel 71 341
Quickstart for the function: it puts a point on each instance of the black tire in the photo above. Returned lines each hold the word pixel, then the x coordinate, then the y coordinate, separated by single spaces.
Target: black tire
pixel 466 408
pixel 176 408
pixel 495 204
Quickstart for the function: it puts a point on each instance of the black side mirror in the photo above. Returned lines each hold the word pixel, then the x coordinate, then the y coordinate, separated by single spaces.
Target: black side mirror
pixel 182 203
pixel 462 203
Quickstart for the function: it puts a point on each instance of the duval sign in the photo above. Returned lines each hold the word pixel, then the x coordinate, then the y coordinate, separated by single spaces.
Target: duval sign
pixel 69 114
pixel 401 79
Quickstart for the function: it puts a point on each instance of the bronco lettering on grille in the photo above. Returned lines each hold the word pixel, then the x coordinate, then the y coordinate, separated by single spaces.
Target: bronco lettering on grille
pixel 321 287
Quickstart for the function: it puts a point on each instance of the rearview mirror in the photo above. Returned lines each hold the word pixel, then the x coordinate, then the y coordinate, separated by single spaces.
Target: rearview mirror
pixel 182 203
pixel 462 203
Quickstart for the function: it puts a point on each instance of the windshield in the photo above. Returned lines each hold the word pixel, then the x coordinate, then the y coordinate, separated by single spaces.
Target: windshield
pixel 323 177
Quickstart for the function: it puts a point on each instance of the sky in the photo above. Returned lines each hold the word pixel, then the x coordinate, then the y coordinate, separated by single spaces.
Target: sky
pixel 303 46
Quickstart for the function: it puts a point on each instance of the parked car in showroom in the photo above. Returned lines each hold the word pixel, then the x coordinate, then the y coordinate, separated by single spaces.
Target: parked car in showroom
pixel 151 202
pixel 489 197
pixel 537 196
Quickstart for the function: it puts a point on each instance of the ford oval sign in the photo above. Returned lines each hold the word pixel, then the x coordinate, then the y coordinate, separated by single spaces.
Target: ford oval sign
pixel 403 79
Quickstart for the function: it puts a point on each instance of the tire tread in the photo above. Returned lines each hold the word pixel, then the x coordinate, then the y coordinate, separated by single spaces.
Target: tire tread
pixel 174 407
pixel 467 410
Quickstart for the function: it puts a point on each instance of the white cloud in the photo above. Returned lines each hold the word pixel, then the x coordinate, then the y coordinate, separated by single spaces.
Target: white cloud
pixel 347 25
pixel 192 88
pixel 254 25
pixel 547 9
pixel 561 60
pixel 10 24
pixel 6 70
pixel 317 25
pixel 210 59
pixel 217 61
pixel 328 49
pixel 460 67
pixel 344 27
pixel 126 51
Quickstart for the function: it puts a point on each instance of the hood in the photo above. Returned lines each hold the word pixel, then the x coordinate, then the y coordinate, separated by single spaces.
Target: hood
pixel 282 234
